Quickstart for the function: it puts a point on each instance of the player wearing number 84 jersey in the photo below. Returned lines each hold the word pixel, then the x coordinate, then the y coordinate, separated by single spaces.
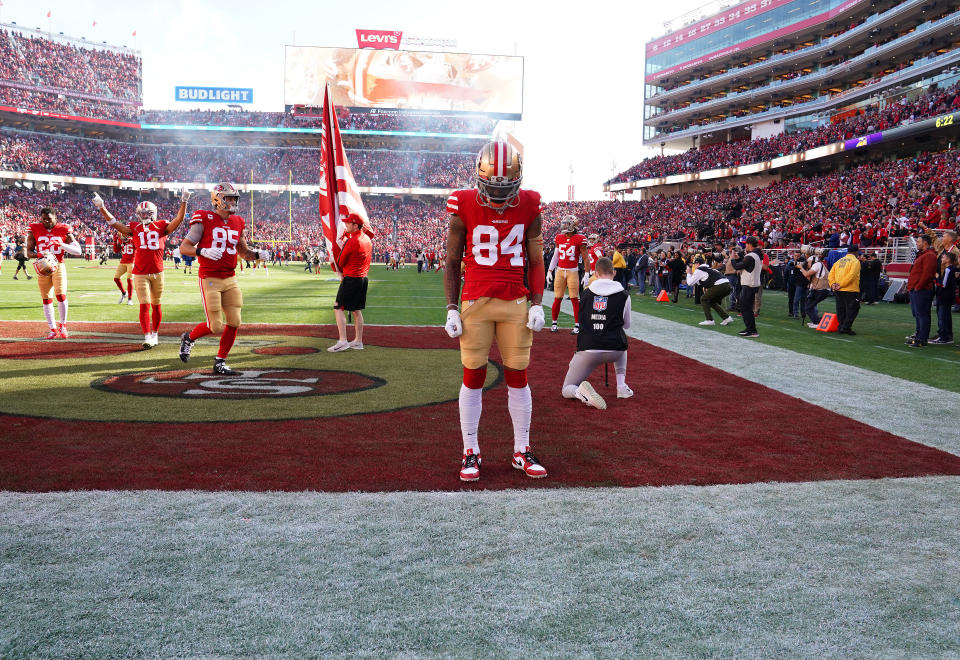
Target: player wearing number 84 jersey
pixel 216 237
pixel 495 234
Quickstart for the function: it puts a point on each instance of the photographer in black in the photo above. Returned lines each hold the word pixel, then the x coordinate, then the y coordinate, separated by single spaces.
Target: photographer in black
pixel 715 289
pixel 750 267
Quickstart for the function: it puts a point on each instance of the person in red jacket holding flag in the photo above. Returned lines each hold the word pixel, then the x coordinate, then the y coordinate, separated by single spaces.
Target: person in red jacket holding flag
pixel 353 264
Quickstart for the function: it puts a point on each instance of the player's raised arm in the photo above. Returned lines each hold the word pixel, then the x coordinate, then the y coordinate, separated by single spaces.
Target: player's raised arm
pixel 174 224
pixel 112 221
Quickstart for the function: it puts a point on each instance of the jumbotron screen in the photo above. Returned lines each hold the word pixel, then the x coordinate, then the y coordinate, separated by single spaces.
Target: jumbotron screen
pixel 405 80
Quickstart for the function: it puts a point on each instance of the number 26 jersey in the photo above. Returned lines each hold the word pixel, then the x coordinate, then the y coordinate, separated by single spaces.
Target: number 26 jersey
pixel 495 254
pixel 222 234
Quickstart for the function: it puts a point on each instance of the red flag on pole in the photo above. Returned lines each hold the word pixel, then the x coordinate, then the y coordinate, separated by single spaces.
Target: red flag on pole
pixel 94 24
pixel 49 13
pixel 339 193
pixel 134 33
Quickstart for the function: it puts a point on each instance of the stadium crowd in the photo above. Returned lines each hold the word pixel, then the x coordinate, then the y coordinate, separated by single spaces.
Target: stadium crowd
pixel 729 154
pixel 46 154
pixel 60 76
pixel 871 203
pixel 866 205
pixel 348 120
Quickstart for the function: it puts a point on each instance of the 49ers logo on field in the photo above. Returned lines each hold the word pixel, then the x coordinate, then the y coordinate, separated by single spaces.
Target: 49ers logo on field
pixel 247 384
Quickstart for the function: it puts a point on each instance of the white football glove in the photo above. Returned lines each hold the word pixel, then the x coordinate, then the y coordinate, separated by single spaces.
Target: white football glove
pixel 535 318
pixel 586 279
pixel 212 253
pixel 185 196
pixel 550 279
pixel 453 327
pixel 97 200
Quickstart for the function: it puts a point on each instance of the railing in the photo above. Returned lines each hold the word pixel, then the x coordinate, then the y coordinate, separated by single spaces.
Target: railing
pixel 802 81
pixel 918 67
pixel 824 45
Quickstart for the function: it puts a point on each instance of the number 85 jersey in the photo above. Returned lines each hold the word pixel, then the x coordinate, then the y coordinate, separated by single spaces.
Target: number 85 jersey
pixel 495 253
pixel 221 234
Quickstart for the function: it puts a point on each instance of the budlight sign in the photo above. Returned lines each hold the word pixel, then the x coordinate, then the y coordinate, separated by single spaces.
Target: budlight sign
pixel 214 94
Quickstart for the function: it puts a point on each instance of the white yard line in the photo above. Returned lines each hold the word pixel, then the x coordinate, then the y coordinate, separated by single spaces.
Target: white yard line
pixel 918 412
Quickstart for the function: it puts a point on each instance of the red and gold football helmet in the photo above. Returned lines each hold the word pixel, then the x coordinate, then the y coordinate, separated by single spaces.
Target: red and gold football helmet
pixel 225 197
pixel 47 264
pixel 568 224
pixel 499 174
pixel 146 211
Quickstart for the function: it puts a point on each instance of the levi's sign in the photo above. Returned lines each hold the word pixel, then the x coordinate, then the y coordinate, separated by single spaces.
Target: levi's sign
pixel 379 39
pixel 215 94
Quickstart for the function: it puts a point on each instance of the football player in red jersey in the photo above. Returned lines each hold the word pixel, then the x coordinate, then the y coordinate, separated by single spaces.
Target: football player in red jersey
pixel 124 246
pixel 46 242
pixel 149 237
pixel 495 233
pixel 594 252
pixel 570 248
pixel 216 238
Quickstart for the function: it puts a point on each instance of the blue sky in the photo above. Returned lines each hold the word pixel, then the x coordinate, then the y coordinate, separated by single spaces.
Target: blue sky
pixel 583 90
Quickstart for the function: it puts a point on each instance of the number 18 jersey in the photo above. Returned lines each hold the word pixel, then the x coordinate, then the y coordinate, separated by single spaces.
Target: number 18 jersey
pixel 148 243
pixel 218 233
pixel 495 254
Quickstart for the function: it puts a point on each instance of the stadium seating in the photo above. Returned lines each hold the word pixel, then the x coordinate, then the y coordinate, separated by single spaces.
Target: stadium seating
pixel 68 78
pixel 753 151
pixel 47 154
pixel 872 203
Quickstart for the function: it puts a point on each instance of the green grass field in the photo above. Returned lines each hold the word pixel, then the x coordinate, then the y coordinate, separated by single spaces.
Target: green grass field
pixel 287 295
pixel 404 297
pixel 834 568
pixel 878 345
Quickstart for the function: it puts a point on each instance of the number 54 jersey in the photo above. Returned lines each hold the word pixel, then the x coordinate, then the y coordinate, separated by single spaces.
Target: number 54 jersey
pixel 218 233
pixel 495 253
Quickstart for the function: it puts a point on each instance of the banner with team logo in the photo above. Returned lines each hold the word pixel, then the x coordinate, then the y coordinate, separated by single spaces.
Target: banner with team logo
pixel 339 193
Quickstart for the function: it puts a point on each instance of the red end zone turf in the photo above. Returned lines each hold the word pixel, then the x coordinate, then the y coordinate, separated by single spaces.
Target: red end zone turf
pixel 684 426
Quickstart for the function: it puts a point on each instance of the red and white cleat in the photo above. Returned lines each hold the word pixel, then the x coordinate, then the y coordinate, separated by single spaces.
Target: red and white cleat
pixel 62 331
pixel 526 461
pixel 54 334
pixel 470 468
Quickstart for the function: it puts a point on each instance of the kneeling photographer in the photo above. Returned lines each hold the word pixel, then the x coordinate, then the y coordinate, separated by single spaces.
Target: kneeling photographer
pixel 715 286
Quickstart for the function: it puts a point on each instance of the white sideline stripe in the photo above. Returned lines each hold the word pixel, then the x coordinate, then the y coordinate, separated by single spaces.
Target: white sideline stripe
pixel 921 413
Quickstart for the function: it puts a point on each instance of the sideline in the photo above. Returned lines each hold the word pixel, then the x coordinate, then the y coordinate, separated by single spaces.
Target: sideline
pixel 921 413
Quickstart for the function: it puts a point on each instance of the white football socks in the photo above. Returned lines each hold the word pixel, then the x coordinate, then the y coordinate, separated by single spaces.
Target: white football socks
pixel 63 311
pixel 48 314
pixel 520 405
pixel 569 391
pixel 471 405
pixel 621 380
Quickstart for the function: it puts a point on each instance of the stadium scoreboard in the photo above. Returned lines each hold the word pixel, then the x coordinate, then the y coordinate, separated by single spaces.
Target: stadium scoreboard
pixel 416 81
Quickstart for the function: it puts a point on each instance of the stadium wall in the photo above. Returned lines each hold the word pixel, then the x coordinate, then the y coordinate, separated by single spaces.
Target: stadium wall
pixel 712 185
